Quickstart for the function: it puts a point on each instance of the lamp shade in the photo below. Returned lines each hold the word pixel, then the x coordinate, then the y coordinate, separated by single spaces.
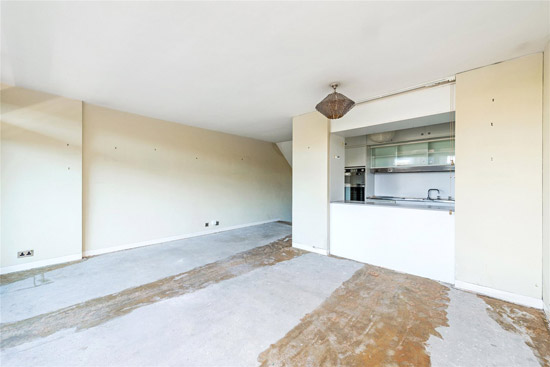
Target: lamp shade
pixel 335 105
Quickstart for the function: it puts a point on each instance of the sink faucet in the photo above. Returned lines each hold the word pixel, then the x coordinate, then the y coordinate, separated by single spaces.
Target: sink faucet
pixel 429 194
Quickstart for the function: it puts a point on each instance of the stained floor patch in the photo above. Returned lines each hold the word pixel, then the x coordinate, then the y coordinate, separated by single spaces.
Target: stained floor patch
pixel 114 272
pixel 100 310
pixel 38 272
pixel 376 318
pixel 525 321
pixel 225 324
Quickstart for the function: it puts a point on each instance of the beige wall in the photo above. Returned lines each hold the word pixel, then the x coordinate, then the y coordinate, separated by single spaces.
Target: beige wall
pixel 41 178
pixel 546 180
pixel 404 106
pixel 310 180
pixel 146 179
pixel 499 175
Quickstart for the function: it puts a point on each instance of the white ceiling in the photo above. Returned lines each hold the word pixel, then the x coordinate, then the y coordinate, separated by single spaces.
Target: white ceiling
pixel 247 67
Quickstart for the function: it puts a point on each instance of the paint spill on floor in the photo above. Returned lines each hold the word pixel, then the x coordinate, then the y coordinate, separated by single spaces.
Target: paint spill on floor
pixel 100 310
pixel 528 322
pixel 377 318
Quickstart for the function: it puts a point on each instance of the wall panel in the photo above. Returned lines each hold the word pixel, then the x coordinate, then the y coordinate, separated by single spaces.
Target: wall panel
pixel 499 176
pixel 310 181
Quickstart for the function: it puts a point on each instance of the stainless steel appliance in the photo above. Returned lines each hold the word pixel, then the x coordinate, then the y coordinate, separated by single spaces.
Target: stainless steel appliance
pixel 354 183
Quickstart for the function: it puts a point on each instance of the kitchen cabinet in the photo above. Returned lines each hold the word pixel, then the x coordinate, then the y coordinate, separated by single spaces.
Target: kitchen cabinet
pixel 395 238
pixel 356 141
pixel 438 152
pixel 356 156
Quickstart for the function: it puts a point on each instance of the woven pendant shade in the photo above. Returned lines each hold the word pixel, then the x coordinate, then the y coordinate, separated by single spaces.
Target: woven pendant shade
pixel 335 105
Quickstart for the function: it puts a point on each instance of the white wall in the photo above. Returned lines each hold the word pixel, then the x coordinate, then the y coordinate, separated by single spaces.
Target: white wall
pixel 499 176
pixel 147 180
pixel 286 148
pixel 310 181
pixel 414 184
pixel 41 178
pixel 546 180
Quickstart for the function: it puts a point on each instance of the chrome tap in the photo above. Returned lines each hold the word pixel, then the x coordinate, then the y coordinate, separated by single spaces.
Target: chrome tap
pixel 430 197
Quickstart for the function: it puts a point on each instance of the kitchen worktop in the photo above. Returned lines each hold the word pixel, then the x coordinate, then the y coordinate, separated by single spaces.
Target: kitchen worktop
pixel 400 204
pixel 402 237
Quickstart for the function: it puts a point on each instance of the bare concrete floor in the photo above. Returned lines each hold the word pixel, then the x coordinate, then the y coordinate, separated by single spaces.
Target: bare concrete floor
pixel 245 298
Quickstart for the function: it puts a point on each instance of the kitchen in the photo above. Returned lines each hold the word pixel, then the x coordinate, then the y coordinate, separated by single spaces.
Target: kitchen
pixel 490 240
pixel 399 200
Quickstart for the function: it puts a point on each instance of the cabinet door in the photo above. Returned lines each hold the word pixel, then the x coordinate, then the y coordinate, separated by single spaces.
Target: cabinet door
pixel 356 141
pixel 412 154
pixel 356 156
pixel 383 156
pixel 441 153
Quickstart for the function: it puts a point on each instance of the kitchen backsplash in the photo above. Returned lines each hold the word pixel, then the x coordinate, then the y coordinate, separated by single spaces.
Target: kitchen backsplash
pixel 414 184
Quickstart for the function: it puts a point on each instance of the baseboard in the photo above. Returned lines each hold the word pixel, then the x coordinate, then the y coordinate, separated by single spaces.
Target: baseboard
pixel 309 248
pixel 39 264
pixel 169 239
pixel 505 296
pixel 546 312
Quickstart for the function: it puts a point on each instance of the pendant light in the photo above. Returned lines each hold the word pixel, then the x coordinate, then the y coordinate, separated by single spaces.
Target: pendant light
pixel 335 105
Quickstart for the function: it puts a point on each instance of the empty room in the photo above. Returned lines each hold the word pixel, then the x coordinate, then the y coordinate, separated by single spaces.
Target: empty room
pixel 227 184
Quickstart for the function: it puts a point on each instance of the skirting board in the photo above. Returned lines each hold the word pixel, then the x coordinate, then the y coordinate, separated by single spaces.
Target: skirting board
pixel 168 239
pixel 40 263
pixel 310 248
pixel 505 296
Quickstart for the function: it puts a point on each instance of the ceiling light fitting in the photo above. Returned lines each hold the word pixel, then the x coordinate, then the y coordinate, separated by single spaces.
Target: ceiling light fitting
pixel 335 105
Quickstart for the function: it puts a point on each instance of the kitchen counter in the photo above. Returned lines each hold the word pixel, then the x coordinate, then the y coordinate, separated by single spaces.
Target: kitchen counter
pixel 412 238
pixel 400 204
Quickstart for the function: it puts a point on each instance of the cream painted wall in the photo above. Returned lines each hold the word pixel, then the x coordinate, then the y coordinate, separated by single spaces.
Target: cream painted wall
pixel 546 180
pixel 404 106
pixel 499 175
pixel 310 181
pixel 146 179
pixel 41 178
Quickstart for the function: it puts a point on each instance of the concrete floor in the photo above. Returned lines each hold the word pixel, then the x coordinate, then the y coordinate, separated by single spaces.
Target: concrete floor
pixel 245 298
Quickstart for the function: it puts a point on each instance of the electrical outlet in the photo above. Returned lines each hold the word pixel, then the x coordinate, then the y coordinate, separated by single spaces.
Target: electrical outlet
pixel 217 222
pixel 25 253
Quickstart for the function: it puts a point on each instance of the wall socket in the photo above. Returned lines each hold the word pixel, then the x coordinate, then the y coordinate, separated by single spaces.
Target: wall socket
pixel 212 223
pixel 25 253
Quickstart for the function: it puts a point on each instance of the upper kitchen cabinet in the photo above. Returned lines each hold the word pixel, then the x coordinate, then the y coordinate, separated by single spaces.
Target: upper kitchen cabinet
pixel 356 151
pixel 441 152
pixel 356 157
pixel 356 141
pixel 421 133
pixel 437 152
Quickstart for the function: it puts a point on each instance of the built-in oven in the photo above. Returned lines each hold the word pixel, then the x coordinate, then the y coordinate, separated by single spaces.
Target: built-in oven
pixel 354 184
